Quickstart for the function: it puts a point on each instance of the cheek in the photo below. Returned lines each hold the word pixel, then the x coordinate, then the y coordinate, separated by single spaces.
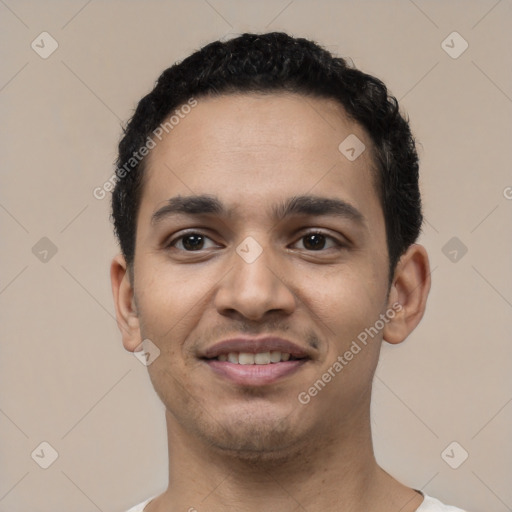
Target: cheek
pixel 346 309
pixel 348 301
pixel 170 298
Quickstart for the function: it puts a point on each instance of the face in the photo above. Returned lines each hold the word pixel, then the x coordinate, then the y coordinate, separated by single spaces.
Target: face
pixel 285 239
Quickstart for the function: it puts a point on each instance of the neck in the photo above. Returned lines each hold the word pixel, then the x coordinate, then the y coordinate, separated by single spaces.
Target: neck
pixel 337 474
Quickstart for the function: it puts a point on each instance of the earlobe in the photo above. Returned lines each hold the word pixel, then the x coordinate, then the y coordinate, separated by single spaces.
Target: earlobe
pixel 126 312
pixel 410 289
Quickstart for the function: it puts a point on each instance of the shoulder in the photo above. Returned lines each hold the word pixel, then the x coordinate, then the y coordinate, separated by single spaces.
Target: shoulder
pixel 433 505
pixel 429 505
pixel 140 506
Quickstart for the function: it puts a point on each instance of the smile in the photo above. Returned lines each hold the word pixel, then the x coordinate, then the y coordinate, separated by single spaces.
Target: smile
pixel 246 371
pixel 255 361
pixel 274 356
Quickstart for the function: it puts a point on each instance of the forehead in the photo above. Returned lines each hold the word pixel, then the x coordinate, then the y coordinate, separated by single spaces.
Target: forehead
pixel 249 149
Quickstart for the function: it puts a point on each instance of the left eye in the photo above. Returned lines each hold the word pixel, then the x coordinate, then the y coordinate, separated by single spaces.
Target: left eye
pixel 316 241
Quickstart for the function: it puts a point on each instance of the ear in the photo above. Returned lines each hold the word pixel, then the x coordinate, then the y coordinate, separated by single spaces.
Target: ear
pixel 408 294
pixel 126 311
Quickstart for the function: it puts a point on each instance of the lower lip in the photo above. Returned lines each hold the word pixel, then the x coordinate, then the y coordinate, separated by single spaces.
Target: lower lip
pixel 254 374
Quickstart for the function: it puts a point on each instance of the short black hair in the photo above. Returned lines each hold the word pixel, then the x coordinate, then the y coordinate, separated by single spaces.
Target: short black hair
pixel 278 62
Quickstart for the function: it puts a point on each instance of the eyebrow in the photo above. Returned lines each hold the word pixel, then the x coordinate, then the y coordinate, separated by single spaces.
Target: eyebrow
pixel 297 205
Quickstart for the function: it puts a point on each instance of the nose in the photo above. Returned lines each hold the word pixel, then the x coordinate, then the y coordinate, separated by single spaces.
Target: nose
pixel 254 289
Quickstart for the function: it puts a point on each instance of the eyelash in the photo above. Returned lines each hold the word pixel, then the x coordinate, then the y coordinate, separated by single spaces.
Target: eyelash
pixel 171 243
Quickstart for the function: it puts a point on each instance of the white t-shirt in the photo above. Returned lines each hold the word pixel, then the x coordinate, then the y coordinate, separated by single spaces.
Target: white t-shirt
pixel 429 504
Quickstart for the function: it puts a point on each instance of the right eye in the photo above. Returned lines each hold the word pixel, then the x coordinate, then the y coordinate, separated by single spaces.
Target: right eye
pixel 190 242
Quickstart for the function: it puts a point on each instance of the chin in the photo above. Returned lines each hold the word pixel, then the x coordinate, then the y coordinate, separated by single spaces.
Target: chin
pixel 255 436
pixel 262 449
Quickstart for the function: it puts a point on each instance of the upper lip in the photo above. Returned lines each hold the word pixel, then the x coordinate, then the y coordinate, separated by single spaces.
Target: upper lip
pixel 255 345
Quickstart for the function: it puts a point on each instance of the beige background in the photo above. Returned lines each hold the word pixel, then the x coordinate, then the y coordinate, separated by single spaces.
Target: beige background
pixel 64 375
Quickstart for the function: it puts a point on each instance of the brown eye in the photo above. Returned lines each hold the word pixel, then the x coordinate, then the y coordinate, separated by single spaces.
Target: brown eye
pixel 190 242
pixel 316 241
pixel 193 242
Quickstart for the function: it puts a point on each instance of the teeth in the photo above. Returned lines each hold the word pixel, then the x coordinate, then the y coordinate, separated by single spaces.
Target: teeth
pixel 245 358
pixel 260 358
pixel 275 356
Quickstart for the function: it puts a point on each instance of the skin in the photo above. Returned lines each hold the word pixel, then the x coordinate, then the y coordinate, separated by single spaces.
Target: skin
pixel 243 448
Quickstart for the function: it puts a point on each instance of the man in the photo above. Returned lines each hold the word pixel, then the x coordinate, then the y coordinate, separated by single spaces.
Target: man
pixel 267 208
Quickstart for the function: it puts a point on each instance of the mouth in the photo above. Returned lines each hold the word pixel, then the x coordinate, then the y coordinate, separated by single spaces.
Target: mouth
pixel 255 362
pixel 246 358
